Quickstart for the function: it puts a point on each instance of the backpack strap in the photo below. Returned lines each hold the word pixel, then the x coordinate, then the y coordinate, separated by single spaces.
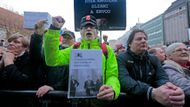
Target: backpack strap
pixel 104 49
pixel 105 52
pixel 76 45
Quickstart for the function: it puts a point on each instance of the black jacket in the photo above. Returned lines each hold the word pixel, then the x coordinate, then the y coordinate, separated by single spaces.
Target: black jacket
pixel 20 75
pixel 56 77
pixel 137 74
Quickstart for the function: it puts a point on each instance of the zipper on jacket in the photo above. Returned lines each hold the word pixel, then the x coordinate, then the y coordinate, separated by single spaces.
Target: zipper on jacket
pixel 140 72
pixel 140 67
pixel 88 45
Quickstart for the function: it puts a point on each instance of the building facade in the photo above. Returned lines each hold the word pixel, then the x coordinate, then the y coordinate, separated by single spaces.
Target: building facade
pixel 123 39
pixel 11 22
pixel 171 26
pixel 176 22
pixel 155 31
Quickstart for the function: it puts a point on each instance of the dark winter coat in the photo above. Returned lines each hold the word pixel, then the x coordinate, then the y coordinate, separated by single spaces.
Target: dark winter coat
pixel 20 75
pixel 138 74
pixel 56 77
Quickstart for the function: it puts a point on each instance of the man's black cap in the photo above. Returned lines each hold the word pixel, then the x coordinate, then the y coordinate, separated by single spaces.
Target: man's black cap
pixel 69 33
pixel 88 19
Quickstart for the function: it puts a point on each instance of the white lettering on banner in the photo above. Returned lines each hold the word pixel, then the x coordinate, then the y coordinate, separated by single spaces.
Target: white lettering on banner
pixel 91 12
pixel 106 1
pixel 90 1
pixel 99 6
pixel 103 11
pixel 100 1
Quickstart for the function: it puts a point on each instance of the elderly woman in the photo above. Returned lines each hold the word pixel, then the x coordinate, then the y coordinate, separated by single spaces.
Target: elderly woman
pixel 175 66
pixel 16 70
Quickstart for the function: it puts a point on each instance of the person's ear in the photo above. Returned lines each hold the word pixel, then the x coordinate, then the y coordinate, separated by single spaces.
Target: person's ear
pixel 129 45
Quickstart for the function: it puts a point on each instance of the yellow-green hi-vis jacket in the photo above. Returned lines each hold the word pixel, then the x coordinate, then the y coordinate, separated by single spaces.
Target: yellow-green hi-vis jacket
pixel 56 57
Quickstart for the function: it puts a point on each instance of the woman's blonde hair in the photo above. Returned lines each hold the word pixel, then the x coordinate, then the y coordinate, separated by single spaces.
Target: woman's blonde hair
pixel 24 40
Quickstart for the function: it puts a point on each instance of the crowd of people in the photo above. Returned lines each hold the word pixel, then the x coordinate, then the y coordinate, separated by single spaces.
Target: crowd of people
pixel 150 77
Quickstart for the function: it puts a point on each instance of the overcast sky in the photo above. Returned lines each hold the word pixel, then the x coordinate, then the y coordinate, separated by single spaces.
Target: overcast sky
pixel 142 10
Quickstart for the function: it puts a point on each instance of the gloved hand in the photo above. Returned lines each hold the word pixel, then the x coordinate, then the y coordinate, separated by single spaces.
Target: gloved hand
pixel 40 27
pixel 58 22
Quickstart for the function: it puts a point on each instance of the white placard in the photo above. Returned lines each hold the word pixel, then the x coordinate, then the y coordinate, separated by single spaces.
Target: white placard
pixel 85 73
pixel 31 18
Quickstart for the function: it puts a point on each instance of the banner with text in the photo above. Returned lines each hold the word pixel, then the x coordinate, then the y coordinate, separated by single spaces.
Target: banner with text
pixel 110 14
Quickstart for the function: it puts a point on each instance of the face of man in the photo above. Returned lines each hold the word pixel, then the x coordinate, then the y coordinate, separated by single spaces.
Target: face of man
pixel 89 32
pixel 15 46
pixel 160 54
pixel 139 43
pixel 180 54
pixel 67 40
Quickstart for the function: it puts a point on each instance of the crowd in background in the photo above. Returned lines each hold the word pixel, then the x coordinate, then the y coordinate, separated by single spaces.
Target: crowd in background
pixel 156 76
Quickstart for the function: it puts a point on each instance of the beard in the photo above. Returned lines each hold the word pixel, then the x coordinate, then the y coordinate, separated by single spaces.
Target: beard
pixel 89 36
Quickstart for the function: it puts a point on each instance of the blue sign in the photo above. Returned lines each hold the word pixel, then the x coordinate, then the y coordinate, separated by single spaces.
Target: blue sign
pixel 31 18
pixel 110 14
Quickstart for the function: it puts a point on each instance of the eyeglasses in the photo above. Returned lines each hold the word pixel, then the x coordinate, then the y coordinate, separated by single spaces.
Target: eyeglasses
pixel 181 50
pixel 67 37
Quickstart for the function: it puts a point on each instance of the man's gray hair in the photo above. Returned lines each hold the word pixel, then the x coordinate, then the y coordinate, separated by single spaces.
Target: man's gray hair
pixel 171 48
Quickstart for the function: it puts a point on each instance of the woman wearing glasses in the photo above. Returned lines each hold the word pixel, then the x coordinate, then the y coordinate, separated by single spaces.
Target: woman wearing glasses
pixel 176 67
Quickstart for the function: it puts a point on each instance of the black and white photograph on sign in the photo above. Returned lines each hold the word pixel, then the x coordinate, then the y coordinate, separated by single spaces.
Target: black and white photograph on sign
pixel 84 83
pixel 85 73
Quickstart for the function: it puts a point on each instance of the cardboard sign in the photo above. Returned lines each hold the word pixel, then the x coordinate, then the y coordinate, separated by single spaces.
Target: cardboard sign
pixel 31 18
